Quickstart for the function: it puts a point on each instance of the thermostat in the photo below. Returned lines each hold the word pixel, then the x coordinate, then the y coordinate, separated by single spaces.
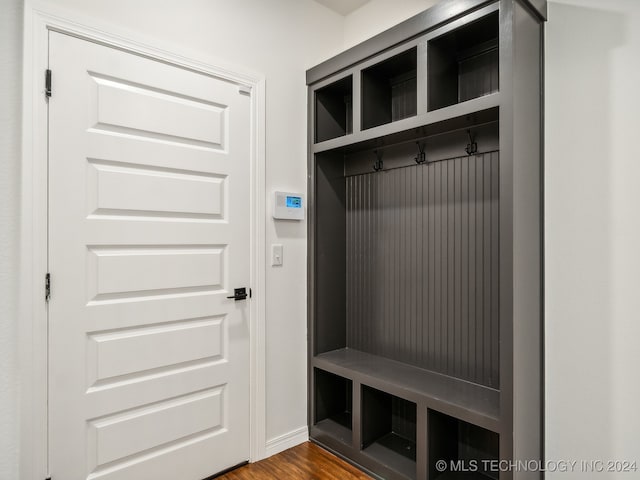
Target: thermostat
pixel 288 206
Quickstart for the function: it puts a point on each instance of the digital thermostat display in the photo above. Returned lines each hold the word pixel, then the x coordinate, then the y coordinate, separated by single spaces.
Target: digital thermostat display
pixel 294 202
pixel 288 206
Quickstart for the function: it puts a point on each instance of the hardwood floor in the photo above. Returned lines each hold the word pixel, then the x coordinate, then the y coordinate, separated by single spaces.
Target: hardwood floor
pixel 304 462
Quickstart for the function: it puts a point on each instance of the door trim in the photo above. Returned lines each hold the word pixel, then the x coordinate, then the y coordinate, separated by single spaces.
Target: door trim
pixel 33 331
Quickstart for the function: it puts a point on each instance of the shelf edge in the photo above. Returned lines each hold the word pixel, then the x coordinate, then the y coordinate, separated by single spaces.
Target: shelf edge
pixel 458 110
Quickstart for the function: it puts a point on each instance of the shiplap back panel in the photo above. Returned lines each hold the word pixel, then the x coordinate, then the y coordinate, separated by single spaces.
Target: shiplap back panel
pixel 423 266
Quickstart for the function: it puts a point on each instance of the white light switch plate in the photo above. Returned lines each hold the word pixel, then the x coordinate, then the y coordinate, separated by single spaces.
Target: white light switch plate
pixel 276 255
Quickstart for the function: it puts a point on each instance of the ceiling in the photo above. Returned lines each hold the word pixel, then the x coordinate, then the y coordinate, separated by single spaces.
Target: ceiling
pixel 343 7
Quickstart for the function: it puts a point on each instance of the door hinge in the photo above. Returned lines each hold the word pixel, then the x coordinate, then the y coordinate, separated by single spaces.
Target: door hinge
pixel 47 287
pixel 47 83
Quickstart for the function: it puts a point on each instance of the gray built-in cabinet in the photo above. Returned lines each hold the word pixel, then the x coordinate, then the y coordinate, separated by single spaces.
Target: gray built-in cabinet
pixel 425 250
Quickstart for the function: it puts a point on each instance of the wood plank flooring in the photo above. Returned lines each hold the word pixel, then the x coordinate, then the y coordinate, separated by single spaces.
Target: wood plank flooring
pixel 304 462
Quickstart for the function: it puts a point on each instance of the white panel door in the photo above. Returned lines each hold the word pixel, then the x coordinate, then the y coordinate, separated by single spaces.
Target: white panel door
pixel 149 168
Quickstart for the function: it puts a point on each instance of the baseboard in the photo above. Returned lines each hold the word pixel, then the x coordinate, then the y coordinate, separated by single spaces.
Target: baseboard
pixel 286 441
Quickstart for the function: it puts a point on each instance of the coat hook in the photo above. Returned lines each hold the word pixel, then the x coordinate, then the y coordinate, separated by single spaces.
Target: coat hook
pixel 422 157
pixel 472 146
pixel 378 165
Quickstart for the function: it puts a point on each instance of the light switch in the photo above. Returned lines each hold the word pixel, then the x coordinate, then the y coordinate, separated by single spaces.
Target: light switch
pixel 276 255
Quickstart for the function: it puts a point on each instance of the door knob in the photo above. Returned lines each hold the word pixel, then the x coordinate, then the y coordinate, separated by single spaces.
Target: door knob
pixel 239 294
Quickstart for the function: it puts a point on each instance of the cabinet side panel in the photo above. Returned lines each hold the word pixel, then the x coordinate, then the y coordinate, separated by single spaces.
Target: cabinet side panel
pixel 330 260
pixel 527 226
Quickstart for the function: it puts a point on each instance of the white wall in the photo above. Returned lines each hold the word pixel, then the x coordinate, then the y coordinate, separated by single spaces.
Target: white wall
pixel 377 16
pixel 10 118
pixel 593 232
pixel 278 38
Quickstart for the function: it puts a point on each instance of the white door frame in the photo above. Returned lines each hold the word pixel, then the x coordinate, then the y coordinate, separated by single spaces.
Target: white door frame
pixel 34 196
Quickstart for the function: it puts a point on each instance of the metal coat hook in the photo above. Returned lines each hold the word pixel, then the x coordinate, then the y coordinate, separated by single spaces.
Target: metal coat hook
pixel 379 164
pixel 472 146
pixel 422 156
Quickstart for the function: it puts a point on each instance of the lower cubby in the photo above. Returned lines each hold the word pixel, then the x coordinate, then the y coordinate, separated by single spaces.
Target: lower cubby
pixel 389 430
pixel 333 405
pixel 465 451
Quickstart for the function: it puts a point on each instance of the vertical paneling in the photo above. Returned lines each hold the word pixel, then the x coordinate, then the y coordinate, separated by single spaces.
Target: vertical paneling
pixel 495 265
pixel 422 266
pixel 403 97
pixel 479 75
pixel 403 418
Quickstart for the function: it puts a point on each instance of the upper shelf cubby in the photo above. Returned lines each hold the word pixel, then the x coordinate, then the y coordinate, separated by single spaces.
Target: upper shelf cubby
pixel 389 90
pixel 334 110
pixel 463 64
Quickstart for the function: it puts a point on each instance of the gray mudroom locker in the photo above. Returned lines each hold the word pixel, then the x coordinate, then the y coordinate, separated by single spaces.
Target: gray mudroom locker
pixel 425 251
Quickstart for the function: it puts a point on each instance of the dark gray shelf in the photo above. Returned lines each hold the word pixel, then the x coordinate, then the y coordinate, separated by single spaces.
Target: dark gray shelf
pixel 421 121
pixel 385 451
pixel 467 401
pixel 335 429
